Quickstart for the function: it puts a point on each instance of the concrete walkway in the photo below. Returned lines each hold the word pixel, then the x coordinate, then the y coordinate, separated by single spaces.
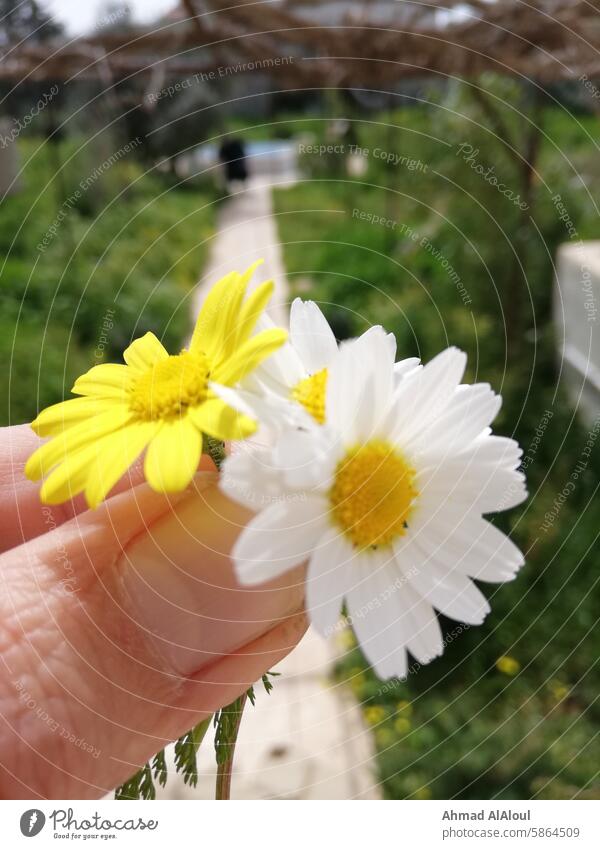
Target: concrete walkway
pixel 307 739
pixel 246 232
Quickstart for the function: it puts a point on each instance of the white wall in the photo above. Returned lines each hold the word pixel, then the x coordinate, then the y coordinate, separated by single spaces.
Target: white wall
pixel 577 318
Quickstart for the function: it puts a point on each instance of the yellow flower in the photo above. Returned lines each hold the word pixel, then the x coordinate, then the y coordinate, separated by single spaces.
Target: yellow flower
pixel 402 725
pixel 374 715
pixel 423 793
pixel 558 689
pixel 161 402
pixel 508 665
pixel 357 682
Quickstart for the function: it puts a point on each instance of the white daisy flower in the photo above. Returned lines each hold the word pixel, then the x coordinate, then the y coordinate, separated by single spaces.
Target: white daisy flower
pixel 385 501
pixel 299 370
pixel 290 388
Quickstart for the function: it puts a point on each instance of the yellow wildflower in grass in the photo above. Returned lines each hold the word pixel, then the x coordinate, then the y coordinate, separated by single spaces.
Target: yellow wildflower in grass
pixel 374 714
pixel 158 401
pixel 404 706
pixel 508 665
pixel 402 725
pixel 423 793
pixel 355 672
pixel 558 689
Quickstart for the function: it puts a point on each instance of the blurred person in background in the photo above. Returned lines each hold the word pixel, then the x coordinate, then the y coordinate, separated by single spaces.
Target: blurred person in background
pixel 232 155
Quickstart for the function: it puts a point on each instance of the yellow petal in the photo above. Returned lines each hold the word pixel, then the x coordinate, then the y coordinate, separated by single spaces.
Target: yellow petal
pixel 73 438
pixel 236 309
pixel 144 352
pixel 216 419
pixel 230 313
pixel 173 455
pixel 114 458
pixel 247 274
pixel 108 380
pixel 253 309
pixel 215 333
pixel 207 336
pixel 55 419
pixel 70 477
pixel 249 356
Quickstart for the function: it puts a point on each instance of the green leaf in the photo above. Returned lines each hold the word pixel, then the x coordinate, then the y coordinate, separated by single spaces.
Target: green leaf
pixel 159 767
pixel 139 786
pixel 186 749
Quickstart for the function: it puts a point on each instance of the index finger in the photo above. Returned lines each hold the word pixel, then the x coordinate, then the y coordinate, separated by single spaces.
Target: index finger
pixel 22 514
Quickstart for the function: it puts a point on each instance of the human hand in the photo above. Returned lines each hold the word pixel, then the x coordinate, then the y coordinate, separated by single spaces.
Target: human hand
pixel 122 627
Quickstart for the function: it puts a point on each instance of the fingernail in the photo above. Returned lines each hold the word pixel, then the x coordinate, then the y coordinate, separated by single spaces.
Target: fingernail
pixel 181 589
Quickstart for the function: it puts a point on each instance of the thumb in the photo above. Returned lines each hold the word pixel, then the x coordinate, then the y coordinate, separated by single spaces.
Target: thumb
pixel 123 628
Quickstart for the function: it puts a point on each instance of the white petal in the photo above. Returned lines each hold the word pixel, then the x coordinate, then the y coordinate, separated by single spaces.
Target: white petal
pixel 306 458
pixel 311 336
pixel 378 614
pixel 283 369
pixel 472 485
pixel 345 393
pixel 469 412
pixel 278 538
pixel 475 548
pixel 264 406
pixel 498 558
pixel 379 352
pixel 425 393
pixel 389 340
pixel 359 387
pixel 249 477
pixel 425 641
pixel 236 398
pixel 450 592
pixel 406 366
pixel 329 578
pixel 496 450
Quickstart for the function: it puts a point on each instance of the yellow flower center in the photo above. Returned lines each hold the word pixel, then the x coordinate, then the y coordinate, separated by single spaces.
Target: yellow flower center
pixel 310 392
pixel 170 386
pixel 373 494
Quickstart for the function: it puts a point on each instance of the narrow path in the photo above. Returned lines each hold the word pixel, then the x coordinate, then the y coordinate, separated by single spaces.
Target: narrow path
pixel 307 740
pixel 246 232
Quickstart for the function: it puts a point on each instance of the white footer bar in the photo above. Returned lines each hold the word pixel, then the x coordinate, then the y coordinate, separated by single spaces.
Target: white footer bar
pixel 303 825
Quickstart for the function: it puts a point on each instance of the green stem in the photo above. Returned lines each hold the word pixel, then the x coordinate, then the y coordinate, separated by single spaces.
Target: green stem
pixel 228 726
pixel 215 450
pixel 229 718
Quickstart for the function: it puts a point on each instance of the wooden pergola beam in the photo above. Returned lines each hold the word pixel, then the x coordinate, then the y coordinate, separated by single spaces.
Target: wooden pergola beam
pixel 553 40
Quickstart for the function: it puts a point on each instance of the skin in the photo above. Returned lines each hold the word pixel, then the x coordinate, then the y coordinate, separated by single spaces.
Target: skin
pixel 122 627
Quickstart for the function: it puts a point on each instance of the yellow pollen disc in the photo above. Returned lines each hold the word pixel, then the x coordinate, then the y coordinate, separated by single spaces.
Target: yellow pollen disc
pixel 170 386
pixel 373 494
pixel 310 392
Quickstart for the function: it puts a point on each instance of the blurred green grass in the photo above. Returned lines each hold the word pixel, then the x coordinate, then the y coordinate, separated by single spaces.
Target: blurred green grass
pixel 470 725
pixel 126 252
pixel 466 725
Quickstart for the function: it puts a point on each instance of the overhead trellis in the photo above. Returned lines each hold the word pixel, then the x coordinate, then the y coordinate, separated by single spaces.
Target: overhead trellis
pixel 334 43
